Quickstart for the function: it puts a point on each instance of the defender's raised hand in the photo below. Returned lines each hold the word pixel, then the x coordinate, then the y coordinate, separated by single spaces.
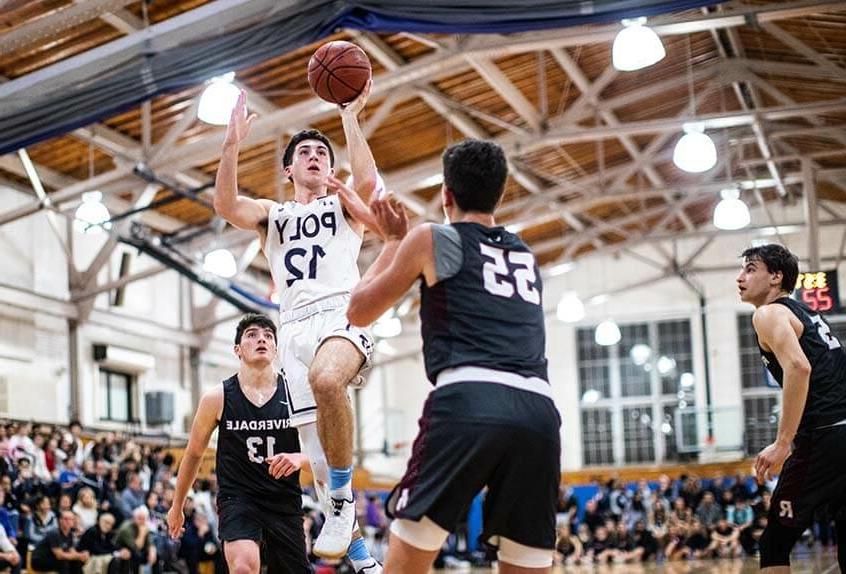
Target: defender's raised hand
pixel 390 216
pixel 239 122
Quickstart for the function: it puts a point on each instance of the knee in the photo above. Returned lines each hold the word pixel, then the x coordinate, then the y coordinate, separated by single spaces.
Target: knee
pixel 324 382
pixel 244 566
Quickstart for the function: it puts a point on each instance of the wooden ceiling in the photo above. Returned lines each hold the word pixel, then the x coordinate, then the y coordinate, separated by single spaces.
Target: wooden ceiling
pixel 566 197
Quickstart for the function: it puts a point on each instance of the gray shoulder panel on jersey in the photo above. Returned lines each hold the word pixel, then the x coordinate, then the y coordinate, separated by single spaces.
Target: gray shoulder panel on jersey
pixel 446 244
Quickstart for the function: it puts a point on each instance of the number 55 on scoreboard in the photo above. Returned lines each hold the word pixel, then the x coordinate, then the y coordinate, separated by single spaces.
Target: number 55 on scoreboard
pixel 819 291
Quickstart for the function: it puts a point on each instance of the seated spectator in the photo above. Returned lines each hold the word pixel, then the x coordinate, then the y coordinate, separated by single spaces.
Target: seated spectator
pixel 635 511
pixel 132 496
pixel 39 463
pixel 601 550
pixel 20 444
pixel 41 521
pixel 681 513
pixel 8 519
pixel 593 517
pixel 740 488
pixel 65 502
pixel 708 512
pixel 99 542
pixel 725 540
pixel 56 552
pixel 568 506
pixel 568 547
pixel 676 548
pixel 645 544
pixel 136 537
pixel 9 557
pixel 199 544
pixel 86 508
pixel 740 514
pixel 699 540
pixel 69 476
pixel 26 486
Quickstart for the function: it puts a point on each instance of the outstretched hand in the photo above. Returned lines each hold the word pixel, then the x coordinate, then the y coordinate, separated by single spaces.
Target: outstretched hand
pixel 239 122
pixel 390 216
pixel 354 107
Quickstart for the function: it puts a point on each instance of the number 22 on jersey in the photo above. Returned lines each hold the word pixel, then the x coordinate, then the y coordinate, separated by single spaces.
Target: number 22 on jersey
pixel 502 279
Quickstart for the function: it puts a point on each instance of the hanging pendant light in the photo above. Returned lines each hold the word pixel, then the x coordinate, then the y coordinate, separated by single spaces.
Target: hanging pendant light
pixel 607 333
pixel 221 262
pixel 218 100
pixel 731 213
pixel 92 216
pixel 695 151
pixel 570 309
pixel 636 46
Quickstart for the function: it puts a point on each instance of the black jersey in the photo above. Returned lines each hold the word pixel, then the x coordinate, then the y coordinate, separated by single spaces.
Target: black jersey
pixel 247 436
pixel 486 308
pixel 826 402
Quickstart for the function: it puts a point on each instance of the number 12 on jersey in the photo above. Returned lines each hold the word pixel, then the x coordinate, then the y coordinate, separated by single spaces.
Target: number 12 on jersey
pixel 502 279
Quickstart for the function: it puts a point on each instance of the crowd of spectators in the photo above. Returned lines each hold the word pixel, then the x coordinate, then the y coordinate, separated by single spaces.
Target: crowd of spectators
pixel 99 506
pixel 669 520
pixel 95 506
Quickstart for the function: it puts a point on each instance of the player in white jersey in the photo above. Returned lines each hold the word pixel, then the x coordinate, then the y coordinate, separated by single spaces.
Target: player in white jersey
pixel 312 245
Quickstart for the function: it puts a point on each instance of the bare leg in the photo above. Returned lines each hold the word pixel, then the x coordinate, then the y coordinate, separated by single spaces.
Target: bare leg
pixel 403 558
pixel 777 570
pixel 242 556
pixel 336 363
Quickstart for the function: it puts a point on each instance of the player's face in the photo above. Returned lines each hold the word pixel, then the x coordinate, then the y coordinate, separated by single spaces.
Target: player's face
pixel 311 164
pixel 755 282
pixel 257 345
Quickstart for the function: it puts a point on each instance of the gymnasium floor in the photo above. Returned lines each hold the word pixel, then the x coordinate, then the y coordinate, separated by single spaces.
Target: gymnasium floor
pixel 821 562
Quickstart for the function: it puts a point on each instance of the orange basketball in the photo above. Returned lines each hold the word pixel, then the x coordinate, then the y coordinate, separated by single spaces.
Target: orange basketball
pixel 338 71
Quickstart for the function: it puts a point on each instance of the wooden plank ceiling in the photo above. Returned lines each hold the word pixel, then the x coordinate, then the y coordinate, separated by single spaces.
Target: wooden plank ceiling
pixel 415 132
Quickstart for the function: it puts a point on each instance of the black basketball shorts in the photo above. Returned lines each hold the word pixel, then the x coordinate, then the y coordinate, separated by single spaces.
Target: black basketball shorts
pixel 282 536
pixel 476 435
pixel 813 477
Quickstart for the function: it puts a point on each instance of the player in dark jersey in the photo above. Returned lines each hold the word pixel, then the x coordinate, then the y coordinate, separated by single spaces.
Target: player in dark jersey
pixel 257 460
pixel 809 363
pixel 490 420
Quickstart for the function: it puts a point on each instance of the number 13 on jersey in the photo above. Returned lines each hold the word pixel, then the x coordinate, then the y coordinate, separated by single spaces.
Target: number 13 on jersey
pixel 505 272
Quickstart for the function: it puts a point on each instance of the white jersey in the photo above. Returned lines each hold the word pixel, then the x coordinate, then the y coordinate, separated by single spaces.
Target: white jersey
pixel 312 251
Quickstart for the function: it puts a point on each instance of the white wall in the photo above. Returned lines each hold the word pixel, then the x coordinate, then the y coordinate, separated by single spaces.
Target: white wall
pixel 34 341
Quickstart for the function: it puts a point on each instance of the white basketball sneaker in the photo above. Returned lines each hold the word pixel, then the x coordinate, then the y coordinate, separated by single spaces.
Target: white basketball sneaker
pixel 336 534
pixel 373 568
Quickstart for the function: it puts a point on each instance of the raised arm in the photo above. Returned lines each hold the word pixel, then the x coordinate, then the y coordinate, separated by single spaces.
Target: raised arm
pixel 205 421
pixel 242 212
pixel 361 158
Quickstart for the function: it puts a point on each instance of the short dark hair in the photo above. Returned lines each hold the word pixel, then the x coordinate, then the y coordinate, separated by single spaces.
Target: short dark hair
pixel 475 172
pixel 288 156
pixel 776 258
pixel 254 319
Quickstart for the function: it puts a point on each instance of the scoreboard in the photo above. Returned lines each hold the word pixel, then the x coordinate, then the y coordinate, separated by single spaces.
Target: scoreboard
pixel 818 290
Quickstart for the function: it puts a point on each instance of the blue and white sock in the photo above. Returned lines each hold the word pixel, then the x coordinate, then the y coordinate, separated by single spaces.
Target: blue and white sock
pixel 359 555
pixel 340 482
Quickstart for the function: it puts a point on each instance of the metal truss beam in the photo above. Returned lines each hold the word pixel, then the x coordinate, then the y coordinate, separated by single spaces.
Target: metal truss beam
pixel 52 24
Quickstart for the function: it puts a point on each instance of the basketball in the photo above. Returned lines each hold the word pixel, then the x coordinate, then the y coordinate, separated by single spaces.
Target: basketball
pixel 338 71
